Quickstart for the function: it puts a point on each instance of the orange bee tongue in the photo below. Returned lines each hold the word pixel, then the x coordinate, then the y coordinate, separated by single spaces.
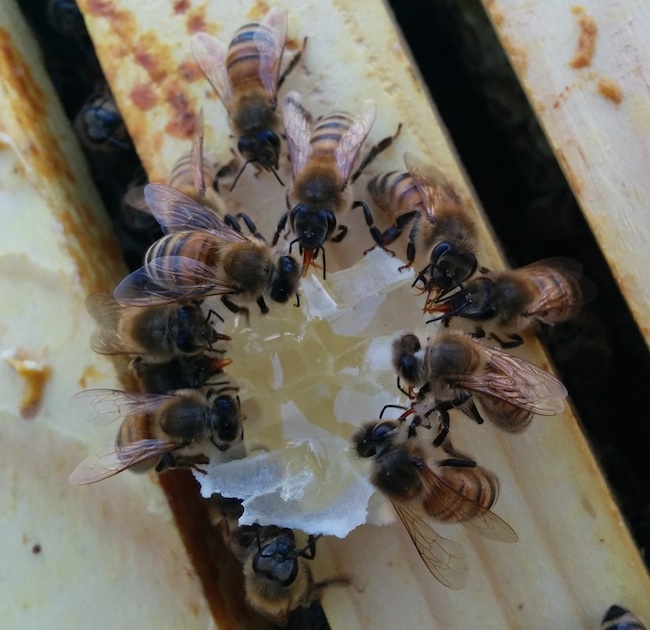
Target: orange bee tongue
pixel 308 260
pixel 218 364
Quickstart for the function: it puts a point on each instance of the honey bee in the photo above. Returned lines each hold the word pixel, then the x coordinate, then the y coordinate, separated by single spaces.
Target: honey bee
pixel 155 427
pixel 160 332
pixel 441 226
pixel 100 125
pixel 212 259
pixel 322 159
pixel 277 576
pixel 246 76
pixel 550 291
pixel 181 372
pixel 452 490
pixel 619 618
pixel 456 368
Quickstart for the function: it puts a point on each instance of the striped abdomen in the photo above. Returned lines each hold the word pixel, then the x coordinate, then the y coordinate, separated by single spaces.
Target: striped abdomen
pixel 327 133
pixel 200 246
pixel 243 58
pixel 395 193
pixel 473 486
pixel 135 428
pixel 505 415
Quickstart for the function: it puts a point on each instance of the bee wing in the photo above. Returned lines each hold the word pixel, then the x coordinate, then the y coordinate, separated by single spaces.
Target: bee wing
pixel 186 280
pixel 210 54
pixel 297 125
pixel 114 404
pixel 176 212
pixel 197 156
pixel 565 294
pixel 485 522
pixel 435 189
pixel 114 460
pixel 350 144
pixel 106 339
pixel 444 558
pixel 519 383
pixel 269 39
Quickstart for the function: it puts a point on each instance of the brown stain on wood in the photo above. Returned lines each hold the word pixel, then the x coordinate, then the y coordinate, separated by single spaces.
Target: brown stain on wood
pixel 36 374
pixel 586 39
pixel 143 96
pixel 610 90
pixel 574 181
pixel 196 21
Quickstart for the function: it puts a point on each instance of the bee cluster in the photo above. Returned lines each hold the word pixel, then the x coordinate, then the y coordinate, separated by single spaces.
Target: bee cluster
pixel 188 412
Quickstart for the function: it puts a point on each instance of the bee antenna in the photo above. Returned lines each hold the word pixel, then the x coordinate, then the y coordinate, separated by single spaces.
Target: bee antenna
pixel 241 170
pixel 276 176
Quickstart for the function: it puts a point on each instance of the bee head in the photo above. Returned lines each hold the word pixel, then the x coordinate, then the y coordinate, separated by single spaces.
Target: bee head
pixel 405 362
pixel 277 559
pixel 263 148
pixel 225 421
pixel 450 265
pixel 286 278
pixel 373 438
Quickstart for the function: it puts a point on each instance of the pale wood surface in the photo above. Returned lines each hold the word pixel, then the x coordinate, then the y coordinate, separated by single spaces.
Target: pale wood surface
pixel 602 145
pixel 575 556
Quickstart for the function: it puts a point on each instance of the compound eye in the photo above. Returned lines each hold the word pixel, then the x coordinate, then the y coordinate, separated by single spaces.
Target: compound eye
pixel 288 265
pixel 270 137
pixel 440 250
pixel 381 431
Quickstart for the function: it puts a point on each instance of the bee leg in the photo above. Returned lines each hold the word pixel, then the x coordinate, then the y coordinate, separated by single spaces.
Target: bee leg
pixel 408 394
pixel 479 333
pixel 343 230
pixel 374 152
pixel 250 225
pixel 297 303
pixel 410 257
pixel 262 304
pixel 374 231
pixel 517 340
pixel 282 223
pixel 167 462
pixel 383 409
pixel 415 423
pixel 233 308
pixel 443 419
pixel 458 463
pixel 292 64
pixel 232 222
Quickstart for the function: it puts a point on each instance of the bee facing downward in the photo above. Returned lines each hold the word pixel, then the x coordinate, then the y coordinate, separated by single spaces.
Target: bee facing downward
pixel 455 369
pixel 156 426
pixel 246 76
pixel 424 198
pixel 453 490
pixel 550 291
pixel 211 259
pixel 322 159
pixel 277 575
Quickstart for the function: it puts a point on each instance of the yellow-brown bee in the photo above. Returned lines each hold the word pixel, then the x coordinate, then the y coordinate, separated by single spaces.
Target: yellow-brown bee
pixel 277 575
pixel 454 490
pixel 425 199
pixel 159 332
pixel 155 427
pixel 619 618
pixel 246 76
pixel 550 291
pixel 209 258
pixel 322 159
pixel 456 369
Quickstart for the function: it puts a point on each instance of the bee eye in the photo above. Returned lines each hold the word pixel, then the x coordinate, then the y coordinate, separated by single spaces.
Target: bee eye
pixel 381 431
pixel 269 137
pixel 440 250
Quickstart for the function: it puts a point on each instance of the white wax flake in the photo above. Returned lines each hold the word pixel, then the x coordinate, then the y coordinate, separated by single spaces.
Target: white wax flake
pixel 314 374
pixel 289 487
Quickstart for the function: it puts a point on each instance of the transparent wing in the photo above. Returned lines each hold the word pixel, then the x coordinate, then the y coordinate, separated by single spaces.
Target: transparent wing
pixel 115 404
pixel 185 279
pixel 444 558
pixel 269 39
pixel 297 125
pixel 485 522
pixel 176 212
pixel 198 173
pixel 436 190
pixel 348 148
pixel 518 382
pixel 134 197
pixel 106 339
pixel 114 460
pixel 210 54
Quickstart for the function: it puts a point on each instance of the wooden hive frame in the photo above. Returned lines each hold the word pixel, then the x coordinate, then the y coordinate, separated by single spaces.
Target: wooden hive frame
pixel 575 556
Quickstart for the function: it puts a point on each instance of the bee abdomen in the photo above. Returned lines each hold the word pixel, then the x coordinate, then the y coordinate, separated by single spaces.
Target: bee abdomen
pixel 328 132
pixel 195 245
pixel 395 192
pixel 243 60
pixel 505 415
